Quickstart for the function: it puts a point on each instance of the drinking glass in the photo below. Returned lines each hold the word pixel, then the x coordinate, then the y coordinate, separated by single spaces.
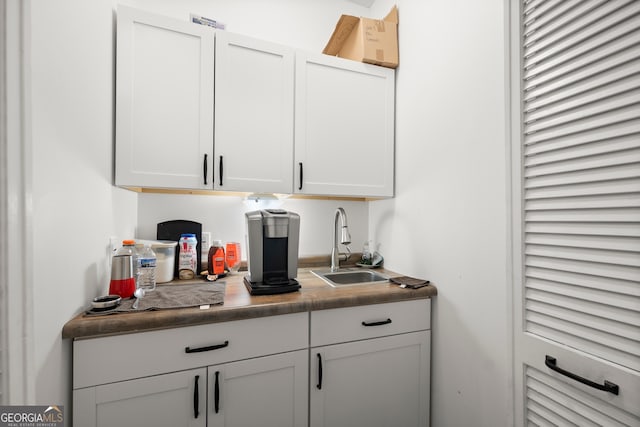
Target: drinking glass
pixel 233 256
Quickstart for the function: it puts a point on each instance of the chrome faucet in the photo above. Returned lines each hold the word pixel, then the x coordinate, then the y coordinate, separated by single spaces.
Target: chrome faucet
pixel 345 239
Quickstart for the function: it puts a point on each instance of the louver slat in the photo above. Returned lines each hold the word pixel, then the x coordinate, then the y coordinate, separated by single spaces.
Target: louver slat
pixel 585 124
pixel 576 93
pixel 584 202
pixel 574 162
pixel 604 271
pixel 589 188
pixel 618 172
pixel 539 142
pixel 576 109
pixel 551 306
pixel 586 300
pixel 627 244
pixel 616 258
pixel 580 281
pixel 545 154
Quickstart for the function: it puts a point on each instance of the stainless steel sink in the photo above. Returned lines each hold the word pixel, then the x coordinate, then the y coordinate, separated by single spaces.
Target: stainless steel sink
pixel 350 277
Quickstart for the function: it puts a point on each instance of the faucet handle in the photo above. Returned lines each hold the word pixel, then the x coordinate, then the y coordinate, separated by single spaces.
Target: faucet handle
pixel 348 254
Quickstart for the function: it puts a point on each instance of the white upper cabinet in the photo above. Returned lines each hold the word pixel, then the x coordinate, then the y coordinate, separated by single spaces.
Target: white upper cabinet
pixel 253 115
pixel 285 121
pixel 164 102
pixel 344 121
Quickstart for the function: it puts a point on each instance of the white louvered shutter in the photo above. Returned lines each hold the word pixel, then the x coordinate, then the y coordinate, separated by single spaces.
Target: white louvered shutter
pixel 579 228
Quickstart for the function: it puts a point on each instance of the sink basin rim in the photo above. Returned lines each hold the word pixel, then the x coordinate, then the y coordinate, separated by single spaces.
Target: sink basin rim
pixel 341 277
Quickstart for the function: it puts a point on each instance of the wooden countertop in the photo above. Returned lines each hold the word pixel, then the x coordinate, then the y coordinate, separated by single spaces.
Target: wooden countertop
pixel 315 294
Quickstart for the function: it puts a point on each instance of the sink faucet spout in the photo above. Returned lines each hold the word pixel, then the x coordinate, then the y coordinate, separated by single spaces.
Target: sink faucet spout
pixel 345 239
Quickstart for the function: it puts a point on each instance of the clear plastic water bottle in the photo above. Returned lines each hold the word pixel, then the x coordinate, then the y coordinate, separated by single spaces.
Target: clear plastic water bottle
pixel 147 269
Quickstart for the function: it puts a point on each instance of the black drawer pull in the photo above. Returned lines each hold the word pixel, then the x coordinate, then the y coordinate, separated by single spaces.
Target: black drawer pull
pixel 382 322
pixel 208 348
pixel 608 386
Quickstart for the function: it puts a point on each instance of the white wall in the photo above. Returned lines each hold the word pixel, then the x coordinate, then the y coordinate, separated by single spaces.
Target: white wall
pixel 448 220
pixel 224 218
pixel 75 207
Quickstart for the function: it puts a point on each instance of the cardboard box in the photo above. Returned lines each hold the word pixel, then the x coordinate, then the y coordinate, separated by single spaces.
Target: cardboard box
pixel 374 41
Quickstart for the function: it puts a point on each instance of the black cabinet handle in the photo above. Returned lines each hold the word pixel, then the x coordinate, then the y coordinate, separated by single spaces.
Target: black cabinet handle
pixel 301 175
pixel 220 172
pixel 216 393
pixel 208 348
pixel 608 386
pixel 319 385
pixel 196 398
pixel 205 171
pixel 382 322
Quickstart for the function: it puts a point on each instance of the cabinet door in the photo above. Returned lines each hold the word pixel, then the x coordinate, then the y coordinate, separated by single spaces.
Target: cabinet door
pixel 254 115
pixel 267 391
pixel 344 120
pixel 378 382
pixel 170 400
pixel 164 102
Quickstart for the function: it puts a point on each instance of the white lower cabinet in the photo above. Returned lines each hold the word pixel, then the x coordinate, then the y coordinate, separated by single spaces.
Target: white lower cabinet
pixel 378 382
pixel 267 392
pixel 375 378
pixel 168 377
pixel 356 366
pixel 169 400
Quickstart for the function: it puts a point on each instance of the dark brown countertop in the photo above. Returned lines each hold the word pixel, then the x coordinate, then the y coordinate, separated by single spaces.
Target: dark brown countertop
pixel 315 294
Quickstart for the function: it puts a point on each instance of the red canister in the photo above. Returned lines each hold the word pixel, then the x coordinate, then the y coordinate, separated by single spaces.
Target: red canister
pixel 122 281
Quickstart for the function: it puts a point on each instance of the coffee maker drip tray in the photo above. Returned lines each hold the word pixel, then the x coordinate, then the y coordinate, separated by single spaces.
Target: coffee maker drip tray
pixel 271 287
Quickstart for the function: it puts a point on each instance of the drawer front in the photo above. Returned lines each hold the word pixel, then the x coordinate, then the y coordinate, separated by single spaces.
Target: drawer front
pixel 356 323
pixel 122 357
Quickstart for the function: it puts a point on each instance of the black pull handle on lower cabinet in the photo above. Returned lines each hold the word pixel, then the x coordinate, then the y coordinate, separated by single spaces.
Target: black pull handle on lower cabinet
pixel 608 386
pixel 319 385
pixel 205 170
pixel 196 398
pixel 220 172
pixel 216 393
pixel 301 176
pixel 382 322
pixel 207 348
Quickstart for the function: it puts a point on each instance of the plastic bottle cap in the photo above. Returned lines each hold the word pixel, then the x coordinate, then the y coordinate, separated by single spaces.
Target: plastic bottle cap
pixel 217 243
pixel 187 235
pixel 128 242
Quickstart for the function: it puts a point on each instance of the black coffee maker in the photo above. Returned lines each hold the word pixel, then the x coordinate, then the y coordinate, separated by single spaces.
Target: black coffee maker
pixel 272 251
